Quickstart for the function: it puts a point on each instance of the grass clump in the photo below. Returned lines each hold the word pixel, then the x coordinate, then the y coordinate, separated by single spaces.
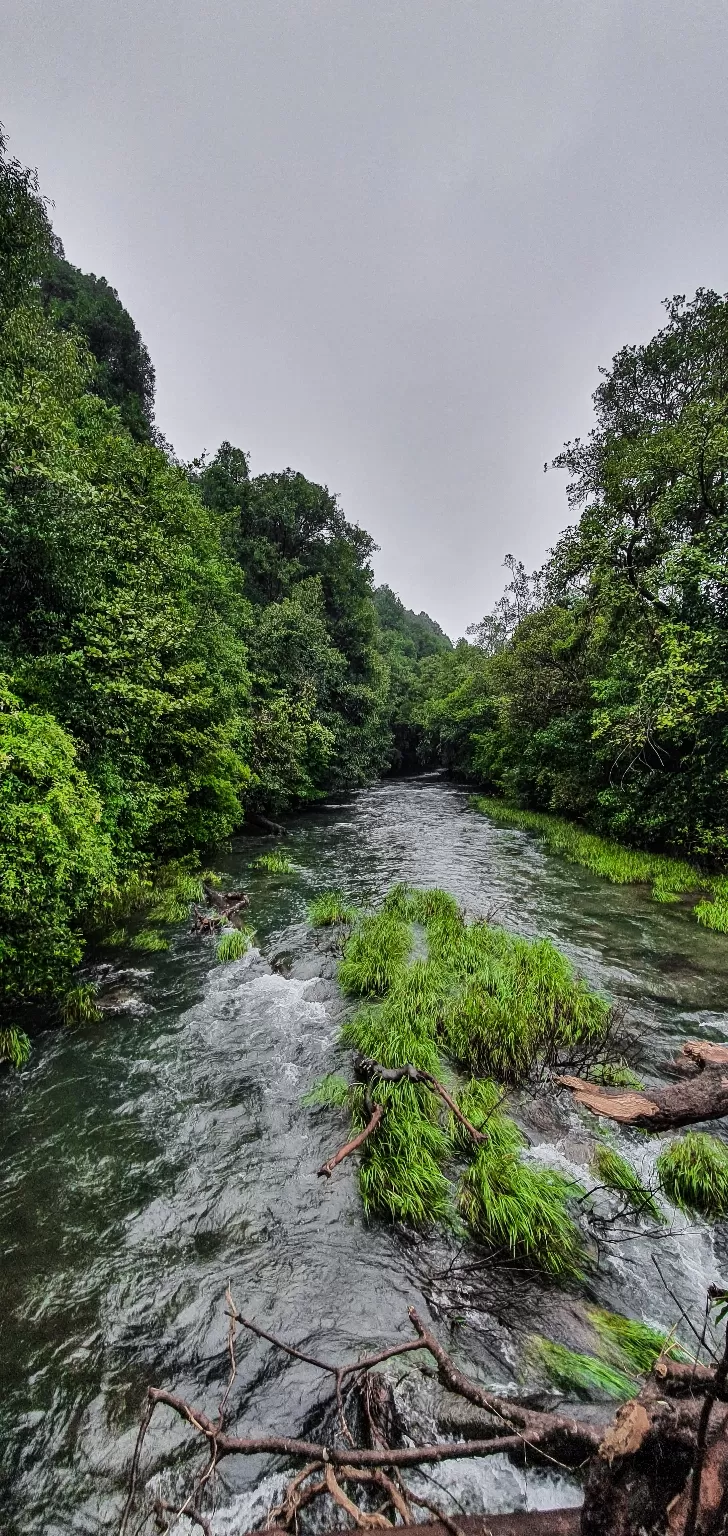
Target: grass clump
pixel 580 1375
pixel 233 945
pixel 497 1006
pixel 149 940
pixel 330 908
pixel 375 955
pixel 523 1210
pixel 275 863
pixel 693 1173
pixel 714 914
pixel 331 1091
pixel 79 1005
pixel 479 1101
pixel 518 1004
pixel 14 1046
pixel 633 1346
pixel 617 1174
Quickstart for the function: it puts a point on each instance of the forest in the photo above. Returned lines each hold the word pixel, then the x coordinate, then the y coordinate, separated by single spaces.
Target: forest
pixel 184 646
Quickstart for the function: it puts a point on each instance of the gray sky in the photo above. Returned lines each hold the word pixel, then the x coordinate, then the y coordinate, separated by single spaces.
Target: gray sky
pixel 387 242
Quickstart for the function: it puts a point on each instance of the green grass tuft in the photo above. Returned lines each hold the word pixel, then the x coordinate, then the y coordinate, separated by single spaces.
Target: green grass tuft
pixel 330 908
pixel 714 914
pixel 331 1091
pixel 233 945
pixel 275 863
pixel 693 1173
pixel 401 1175
pixel 632 1345
pixel 375 955
pixel 514 1206
pixel 616 1173
pixel 580 1375
pixel 14 1046
pixel 79 1005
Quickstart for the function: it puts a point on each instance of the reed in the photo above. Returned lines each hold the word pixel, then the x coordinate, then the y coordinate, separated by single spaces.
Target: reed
pixel 633 1345
pixel 14 1046
pixel 577 1375
pixel 523 1211
pixel 374 955
pixel 79 1005
pixel 670 878
pixel 149 940
pixel 330 1092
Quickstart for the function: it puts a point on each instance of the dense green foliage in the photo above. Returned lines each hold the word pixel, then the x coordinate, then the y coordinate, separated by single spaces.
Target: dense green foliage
pixel 598 689
pixel 123 375
pixel 177 644
pixel 487 1003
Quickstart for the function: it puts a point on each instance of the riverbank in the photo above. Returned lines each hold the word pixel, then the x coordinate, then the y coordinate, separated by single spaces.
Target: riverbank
pixel 669 878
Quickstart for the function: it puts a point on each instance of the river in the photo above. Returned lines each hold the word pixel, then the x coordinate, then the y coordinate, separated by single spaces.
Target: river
pixel 146 1161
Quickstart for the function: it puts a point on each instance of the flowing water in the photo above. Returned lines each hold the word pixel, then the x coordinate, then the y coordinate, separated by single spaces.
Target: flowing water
pixel 148 1161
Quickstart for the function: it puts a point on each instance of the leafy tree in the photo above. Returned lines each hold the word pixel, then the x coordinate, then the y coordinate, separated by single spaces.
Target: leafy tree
pixel 607 672
pixel 314 634
pixel 123 376
pixel 55 857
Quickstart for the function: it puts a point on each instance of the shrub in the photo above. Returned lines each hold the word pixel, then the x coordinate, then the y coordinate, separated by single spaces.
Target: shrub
pixel 54 856
pixel 693 1173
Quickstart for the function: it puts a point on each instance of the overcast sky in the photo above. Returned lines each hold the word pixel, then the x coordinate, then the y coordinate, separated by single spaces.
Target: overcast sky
pixel 386 242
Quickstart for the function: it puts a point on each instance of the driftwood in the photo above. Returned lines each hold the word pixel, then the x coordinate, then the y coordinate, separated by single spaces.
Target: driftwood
pixel 701 1093
pixel 273 828
pixel 377 1115
pixel 661 1466
pixel 229 903
pixel 372 1069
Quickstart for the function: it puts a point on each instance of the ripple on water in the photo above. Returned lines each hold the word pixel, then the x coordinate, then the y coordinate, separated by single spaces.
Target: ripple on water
pixel 147 1161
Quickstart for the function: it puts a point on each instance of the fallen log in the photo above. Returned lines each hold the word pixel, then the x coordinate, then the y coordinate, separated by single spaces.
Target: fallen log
pixel 273 828
pixel 228 903
pixel 703 1097
pixel 536 1522
pixel 695 1055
